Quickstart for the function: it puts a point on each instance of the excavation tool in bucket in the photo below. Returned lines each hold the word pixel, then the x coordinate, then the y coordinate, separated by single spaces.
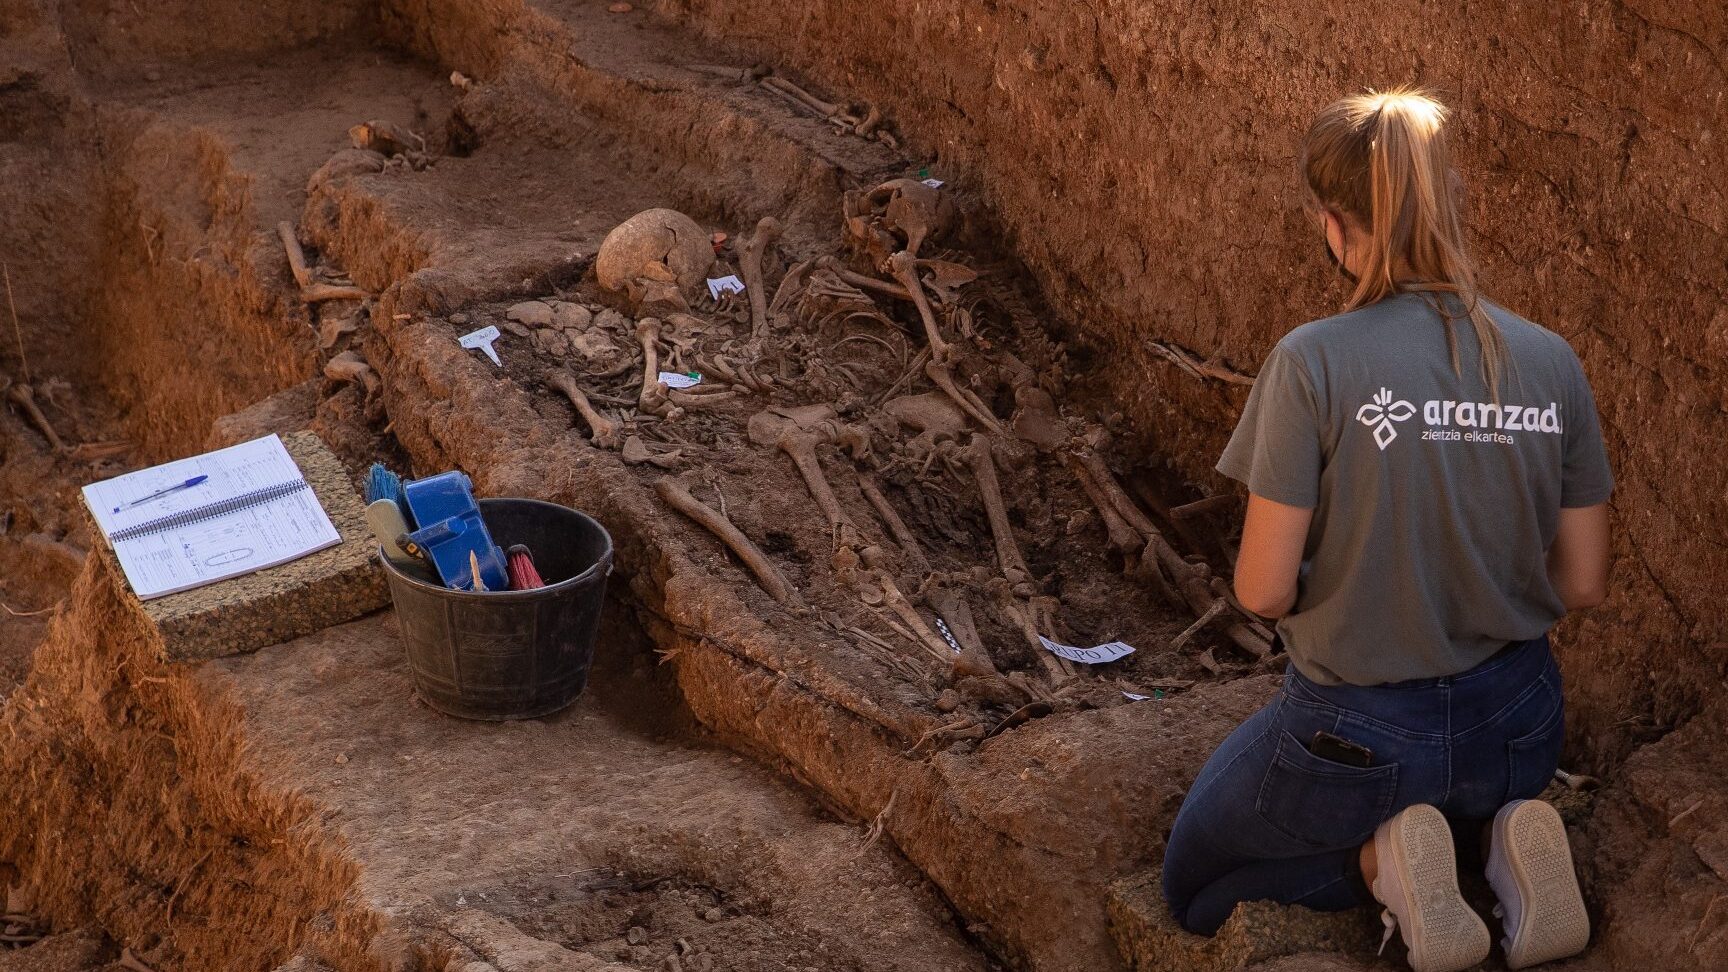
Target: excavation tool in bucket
pixel 510 654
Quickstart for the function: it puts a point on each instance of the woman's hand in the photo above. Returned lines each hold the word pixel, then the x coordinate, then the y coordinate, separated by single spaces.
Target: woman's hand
pixel 1273 538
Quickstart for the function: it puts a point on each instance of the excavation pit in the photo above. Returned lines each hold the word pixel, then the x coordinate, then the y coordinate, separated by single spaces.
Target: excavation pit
pixel 809 767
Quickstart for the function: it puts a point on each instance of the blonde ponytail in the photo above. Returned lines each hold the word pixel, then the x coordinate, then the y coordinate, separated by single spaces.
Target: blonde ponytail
pixel 1381 159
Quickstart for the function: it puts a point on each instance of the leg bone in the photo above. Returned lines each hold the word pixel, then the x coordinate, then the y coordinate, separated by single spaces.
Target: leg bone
pixel 968 402
pixel 652 399
pixel 905 270
pixel 24 397
pixel 602 431
pixel 1123 538
pixel 750 263
pixel 1007 550
pixel 898 603
pixel 896 526
pixel 773 582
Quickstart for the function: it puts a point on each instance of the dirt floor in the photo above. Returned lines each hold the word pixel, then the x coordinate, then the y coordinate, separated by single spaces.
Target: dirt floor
pixel 833 741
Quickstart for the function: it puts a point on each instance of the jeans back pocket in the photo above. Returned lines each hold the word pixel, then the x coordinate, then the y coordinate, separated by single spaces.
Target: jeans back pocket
pixel 1322 804
pixel 1532 758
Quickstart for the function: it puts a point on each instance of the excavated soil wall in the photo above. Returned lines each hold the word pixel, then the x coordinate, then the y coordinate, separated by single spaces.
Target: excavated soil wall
pixel 130 807
pixel 1139 156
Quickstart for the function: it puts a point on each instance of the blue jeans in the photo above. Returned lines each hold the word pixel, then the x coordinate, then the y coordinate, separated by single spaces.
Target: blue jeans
pixel 1268 820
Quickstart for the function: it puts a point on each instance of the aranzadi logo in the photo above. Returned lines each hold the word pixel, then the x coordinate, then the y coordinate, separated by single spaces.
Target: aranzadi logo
pixel 1448 420
pixel 1381 412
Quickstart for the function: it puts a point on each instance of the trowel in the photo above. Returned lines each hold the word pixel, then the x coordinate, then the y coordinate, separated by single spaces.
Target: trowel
pixel 384 517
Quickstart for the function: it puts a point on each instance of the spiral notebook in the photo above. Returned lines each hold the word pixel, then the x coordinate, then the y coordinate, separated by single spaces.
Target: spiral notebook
pixel 197 521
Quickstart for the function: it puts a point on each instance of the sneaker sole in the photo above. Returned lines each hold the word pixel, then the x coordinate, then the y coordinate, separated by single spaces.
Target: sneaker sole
pixel 1442 933
pixel 1531 841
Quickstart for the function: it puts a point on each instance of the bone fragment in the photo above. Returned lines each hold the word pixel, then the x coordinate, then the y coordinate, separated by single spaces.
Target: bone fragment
pixel 944 379
pixel 1123 539
pixel 385 137
pixel 94 451
pixel 1193 583
pixel 296 255
pixel 317 292
pixel 1218 607
pixel 690 397
pixel 799 440
pixel 1120 500
pixel 1221 587
pixel 750 264
pixel 974 659
pixel 827 109
pixel 912 209
pixel 727 72
pixel 773 583
pixel 872 120
pixel 23 396
pixel 1007 549
pixel 896 526
pixel 898 603
pixel 1055 667
pixel 652 399
pixel 833 265
pixel 349 366
pixel 1187 361
pixel 602 431
pixel 904 267
pixel 929 412
pixel 1201 507
pixel 310 291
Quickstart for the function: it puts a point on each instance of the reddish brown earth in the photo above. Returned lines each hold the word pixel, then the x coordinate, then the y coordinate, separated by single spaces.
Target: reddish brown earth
pixel 1140 156
pixel 155 153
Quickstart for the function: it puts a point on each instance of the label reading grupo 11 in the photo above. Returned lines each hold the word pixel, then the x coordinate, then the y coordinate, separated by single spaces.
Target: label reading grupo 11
pixel 1108 652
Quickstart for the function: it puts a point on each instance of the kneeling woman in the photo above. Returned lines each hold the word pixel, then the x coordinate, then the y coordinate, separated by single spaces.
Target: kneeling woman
pixel 1428 496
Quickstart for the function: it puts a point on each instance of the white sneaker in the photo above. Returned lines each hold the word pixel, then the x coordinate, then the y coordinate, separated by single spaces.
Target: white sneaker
pixel 1418 884
pixel 1530 868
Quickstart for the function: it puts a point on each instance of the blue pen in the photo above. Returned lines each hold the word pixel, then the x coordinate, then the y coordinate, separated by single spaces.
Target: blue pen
pixel 188 484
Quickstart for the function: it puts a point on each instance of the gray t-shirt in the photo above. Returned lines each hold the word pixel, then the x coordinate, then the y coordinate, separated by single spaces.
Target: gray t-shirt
pixel 1434 507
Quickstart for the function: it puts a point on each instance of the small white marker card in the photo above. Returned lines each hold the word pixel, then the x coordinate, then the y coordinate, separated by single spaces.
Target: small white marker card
pixel 1098 655
pixel 482 340
pixel 933 183
pixel 676 379
pixel 729 284
pixel 1130 696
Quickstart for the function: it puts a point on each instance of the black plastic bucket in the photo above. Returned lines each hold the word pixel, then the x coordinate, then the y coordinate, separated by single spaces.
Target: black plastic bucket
pixel 510 654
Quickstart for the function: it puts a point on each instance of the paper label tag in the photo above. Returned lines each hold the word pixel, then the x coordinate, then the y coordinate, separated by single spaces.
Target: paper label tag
pixel 674 379
pixel 933 183
pixel 729 284
pixel 1097 655
pixel 1130 696
pixel 482 340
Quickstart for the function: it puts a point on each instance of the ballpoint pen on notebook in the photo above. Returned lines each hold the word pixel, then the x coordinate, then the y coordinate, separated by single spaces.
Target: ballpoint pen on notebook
pixel 140 501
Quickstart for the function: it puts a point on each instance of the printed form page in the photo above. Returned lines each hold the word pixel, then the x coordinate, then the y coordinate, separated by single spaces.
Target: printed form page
pixel 227 545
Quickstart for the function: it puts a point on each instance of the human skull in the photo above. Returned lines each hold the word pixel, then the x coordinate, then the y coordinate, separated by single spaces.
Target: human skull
pixel 654 246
